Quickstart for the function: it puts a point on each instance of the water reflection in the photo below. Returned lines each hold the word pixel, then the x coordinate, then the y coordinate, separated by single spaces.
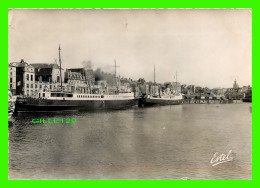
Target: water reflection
pixel 167 142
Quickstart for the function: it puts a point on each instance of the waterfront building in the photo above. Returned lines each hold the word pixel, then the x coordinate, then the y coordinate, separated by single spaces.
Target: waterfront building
pixel 81 80
pixel 246 88
pixel 77 81
pixel 191 89
pixel 12 79
pixel 141 81
pixel 49 86
pixel 45 72
pixel 21 78
pixel 48 78
pixel 176 87
pixel 85 75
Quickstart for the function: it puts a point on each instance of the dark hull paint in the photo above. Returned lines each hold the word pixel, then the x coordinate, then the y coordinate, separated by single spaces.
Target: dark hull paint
pixel 247 100
pixel 32 104
pixel 153 102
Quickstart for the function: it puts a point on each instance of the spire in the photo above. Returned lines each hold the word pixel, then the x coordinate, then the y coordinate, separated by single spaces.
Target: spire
pixel 235 85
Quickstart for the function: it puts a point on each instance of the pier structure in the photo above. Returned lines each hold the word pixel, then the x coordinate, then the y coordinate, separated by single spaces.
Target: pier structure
pixel 210 101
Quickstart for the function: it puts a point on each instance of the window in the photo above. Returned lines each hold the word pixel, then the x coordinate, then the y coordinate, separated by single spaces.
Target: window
pixel 43 94
pixel 31 92
pixel 11 80
pixel 50 87
pixel 11 86
pixel 11 73
pixel 36 86
pixel 31 85
pixel 27 85
pixel 40 86
pixel 27 77
pixel 31 77
pixel 27 92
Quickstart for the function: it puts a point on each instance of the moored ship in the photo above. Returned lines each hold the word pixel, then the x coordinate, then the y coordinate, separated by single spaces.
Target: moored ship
pixel 162 100
pixel 63 101
pixel 87 98
pixel 248 96
pixel 171 97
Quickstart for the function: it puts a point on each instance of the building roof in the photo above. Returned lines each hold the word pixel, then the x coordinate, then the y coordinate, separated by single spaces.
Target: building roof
pixel 19 64
pixel 76 69
pixel 46 65
pixel 43 71
pixel 75 75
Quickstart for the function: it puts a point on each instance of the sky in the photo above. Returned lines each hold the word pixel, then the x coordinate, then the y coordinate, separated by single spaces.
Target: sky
pixel 206 47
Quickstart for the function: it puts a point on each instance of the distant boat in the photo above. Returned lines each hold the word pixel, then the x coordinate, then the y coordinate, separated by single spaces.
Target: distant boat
pixel 11 104
pixel 162 100
pixel 248 96
pixel 171 98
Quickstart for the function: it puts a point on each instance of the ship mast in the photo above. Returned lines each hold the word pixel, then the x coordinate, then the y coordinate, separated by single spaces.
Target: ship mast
pixel 154 79
pixel 154 74
pixel 176 89
pixel 176 77
pixel 115 72
pixel 60 68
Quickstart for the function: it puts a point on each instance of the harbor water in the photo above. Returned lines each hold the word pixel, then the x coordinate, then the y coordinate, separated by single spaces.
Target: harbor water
pixel 167 142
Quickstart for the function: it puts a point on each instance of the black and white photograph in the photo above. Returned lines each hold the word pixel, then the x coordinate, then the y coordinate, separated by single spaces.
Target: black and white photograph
pixel 130 94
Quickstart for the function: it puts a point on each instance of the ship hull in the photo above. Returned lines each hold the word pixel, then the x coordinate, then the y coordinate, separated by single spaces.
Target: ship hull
pixel 31 104
pixel 159 102
pixel 247 100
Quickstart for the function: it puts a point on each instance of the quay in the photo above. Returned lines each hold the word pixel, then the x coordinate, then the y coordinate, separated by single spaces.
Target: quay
pixel 211 101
